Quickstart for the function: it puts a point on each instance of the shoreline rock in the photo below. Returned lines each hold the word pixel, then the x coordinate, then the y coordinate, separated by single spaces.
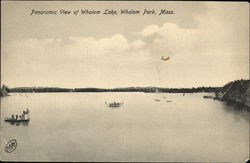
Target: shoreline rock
pixel 236 92
pixel 4 91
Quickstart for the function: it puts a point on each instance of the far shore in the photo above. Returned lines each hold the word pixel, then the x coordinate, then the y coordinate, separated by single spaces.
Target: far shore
pixel 236 92
pixel 127 89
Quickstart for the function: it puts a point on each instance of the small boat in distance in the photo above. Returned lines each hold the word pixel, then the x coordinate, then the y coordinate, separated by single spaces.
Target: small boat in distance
pixel 168 101
pixel 208 97
pixel 157 100
pixel 114 104
pixel 19 118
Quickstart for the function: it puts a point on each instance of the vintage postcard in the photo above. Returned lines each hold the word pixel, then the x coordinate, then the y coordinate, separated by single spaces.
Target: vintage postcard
pixel 124 81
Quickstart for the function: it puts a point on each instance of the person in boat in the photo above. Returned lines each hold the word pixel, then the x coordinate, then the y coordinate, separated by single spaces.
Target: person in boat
pixel 12 116
pixel 16 117
pixel 26 112
pixel 22 117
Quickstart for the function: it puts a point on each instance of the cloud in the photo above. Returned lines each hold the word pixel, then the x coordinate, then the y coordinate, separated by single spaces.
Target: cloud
pixel 79 58
pixel 150 30
pixel 169 39
pixel 114 44
pixel 76 49
pixel 213 33
pixel 137 44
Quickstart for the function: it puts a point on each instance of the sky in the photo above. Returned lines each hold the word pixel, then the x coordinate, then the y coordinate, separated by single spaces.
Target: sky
pixel 207 42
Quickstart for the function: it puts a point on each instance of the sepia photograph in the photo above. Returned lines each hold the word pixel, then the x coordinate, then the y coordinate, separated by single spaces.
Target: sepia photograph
pixel 124 81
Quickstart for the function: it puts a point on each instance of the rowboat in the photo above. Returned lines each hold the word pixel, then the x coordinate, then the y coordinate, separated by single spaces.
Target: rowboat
pixel 114 104
pixel 19 118
pixel 16 120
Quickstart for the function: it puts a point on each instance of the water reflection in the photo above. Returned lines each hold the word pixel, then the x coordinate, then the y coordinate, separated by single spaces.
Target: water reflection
pixel 238 111
pixel 18 123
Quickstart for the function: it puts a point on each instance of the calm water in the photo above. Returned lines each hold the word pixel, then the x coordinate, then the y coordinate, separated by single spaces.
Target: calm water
pixel 80 127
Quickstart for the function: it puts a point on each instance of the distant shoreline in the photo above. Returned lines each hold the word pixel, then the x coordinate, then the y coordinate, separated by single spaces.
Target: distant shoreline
pixel 237 92
pixel 127 89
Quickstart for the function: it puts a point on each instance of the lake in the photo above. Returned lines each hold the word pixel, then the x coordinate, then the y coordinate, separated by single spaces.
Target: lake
pixel 80 127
